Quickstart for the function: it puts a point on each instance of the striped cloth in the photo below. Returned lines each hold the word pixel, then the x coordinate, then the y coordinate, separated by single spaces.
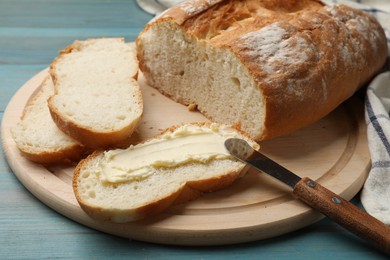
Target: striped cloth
pixel 375 195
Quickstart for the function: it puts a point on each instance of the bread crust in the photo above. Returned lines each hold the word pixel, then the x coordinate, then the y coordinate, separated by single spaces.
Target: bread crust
pixel 68 155
pixel 88 136
pixel 334 50
pixel 188 191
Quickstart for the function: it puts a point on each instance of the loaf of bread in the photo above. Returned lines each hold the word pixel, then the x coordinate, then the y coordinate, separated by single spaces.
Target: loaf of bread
pixel 268 66
pixel 97 98
pixel 182 163
pixel 36 135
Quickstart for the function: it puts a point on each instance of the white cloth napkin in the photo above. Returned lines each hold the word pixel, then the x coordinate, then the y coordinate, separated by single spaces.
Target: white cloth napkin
pixel 375 195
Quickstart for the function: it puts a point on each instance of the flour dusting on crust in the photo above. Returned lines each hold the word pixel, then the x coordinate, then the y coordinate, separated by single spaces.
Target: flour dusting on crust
pixel 357 25
pixel 275 47
pixel 196 6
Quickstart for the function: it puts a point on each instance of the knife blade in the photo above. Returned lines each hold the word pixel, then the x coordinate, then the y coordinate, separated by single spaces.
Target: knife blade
pixel 316 196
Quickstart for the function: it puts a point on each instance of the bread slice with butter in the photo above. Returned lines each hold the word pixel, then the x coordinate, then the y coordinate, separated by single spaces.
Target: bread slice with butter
pixel 180 164
pixel 36 135
pixel 97 98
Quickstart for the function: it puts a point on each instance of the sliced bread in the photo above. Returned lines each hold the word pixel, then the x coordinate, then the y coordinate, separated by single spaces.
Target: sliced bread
pixel 36 135
pixel 173 171
pixel 97 98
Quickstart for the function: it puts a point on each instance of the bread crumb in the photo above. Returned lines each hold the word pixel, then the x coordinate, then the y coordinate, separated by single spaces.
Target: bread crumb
pixel 192 107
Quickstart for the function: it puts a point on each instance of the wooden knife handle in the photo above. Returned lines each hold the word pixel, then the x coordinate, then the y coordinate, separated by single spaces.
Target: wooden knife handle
pixel 344 213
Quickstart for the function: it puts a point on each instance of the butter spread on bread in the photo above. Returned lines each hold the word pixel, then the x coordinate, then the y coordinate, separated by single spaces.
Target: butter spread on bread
pixel 269 66
pixel 186 144
pixel 128 198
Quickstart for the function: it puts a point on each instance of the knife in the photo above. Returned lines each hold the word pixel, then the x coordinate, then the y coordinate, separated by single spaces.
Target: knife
pixel 316 196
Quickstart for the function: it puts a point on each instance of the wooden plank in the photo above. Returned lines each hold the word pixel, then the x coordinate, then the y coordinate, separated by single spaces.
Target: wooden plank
pixel 72 14
pixel 36 30
pixel 41 49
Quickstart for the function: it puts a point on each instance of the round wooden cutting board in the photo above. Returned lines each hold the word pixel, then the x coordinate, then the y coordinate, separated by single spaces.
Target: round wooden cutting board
pixel 332 151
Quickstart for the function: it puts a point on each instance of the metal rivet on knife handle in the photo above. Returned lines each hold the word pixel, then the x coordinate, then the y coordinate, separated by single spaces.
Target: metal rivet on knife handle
pixel 336 200
pixel 311 183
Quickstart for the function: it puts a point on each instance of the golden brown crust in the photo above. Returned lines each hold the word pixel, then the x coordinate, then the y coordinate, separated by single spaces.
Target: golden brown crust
pixel 90 137
pixel 323 53
pixel 340 76
pixel 69 155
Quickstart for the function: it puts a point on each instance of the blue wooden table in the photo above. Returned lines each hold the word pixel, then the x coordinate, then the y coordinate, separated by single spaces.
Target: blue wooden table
pixel 31 33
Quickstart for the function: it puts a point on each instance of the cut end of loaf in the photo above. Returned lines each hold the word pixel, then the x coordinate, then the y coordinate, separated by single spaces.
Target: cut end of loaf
pixel 212 79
